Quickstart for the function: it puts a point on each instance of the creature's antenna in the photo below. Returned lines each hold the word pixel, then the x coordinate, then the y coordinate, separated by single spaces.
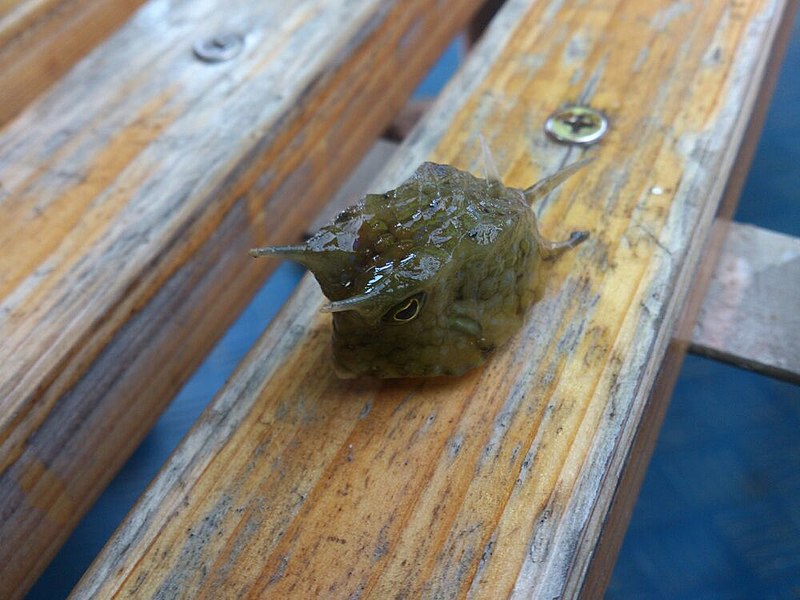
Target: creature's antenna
pixel 540 189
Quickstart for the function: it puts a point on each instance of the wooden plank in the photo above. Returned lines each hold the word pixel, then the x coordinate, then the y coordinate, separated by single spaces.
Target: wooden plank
pixel 641 448
pixel 750 315
pixel 129 195
pixel 497 483
pixel 359 183
pixel 41 39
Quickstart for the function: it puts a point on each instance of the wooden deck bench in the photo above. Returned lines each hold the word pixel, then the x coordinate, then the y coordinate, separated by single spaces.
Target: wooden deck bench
pixel 132 189
pixel 130 193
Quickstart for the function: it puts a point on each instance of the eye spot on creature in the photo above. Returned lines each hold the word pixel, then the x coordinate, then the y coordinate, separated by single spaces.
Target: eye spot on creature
pixel 405 311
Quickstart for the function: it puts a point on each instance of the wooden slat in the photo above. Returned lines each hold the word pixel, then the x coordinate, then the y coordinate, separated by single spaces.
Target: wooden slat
pixel 360 182
pixel 294 483
pixel 129 195
pixel 41 39
pixel 750 316
pixel 643 442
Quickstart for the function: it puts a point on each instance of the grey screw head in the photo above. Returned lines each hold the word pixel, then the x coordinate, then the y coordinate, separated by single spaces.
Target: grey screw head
pixel 219 48
pixel 576 124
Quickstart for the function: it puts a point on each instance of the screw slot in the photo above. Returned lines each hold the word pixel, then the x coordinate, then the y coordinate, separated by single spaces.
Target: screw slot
pixel 575 124
pixel 220 48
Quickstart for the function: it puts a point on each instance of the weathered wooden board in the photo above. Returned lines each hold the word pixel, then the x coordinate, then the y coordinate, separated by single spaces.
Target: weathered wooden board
pixel 41 39
pixel 751 314
pixel 296 484
pixel 652 415
pixel 360 182
pixel 129 195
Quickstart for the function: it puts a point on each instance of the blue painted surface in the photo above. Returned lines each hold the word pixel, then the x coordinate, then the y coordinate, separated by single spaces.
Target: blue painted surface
pixel 719 512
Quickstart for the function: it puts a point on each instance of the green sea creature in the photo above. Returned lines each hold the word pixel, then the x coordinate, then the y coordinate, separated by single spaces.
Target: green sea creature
pixel 429 278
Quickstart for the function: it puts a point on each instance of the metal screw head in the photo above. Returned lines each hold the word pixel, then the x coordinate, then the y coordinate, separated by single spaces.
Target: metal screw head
pixel 576 125
pixel 219 48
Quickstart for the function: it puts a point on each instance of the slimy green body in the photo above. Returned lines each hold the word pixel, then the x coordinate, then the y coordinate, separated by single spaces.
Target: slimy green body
pixel 429 278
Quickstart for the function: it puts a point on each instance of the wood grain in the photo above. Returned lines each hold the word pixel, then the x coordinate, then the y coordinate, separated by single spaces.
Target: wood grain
pixel 361 181
pixel 129 195
pixel 623 500
pixel 296 484
pixel 41 39
pixel 749 316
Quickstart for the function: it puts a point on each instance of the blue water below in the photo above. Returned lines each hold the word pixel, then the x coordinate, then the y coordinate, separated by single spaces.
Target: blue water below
pixel 719 512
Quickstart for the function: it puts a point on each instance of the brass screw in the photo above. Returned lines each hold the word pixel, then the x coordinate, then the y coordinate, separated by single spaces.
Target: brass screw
pixel 576 124
pixel 219 48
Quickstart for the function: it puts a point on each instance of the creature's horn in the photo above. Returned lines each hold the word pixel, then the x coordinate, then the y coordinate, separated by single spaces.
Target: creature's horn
pixel 316 260
pixel 293 252
pixel 353 303
pixel 489 168
pixel 540 189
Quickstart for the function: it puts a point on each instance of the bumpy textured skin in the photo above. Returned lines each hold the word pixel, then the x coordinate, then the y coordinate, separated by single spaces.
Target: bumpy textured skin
pixel 429 278
pixel 463 242
pixel 457 254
